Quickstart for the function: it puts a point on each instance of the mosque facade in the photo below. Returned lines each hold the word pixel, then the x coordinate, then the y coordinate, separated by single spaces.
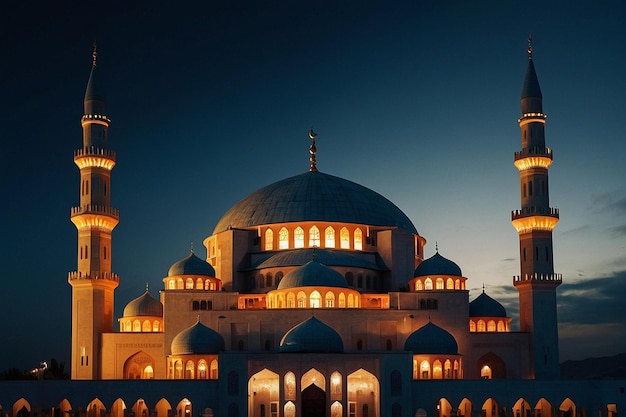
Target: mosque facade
pixel 315 299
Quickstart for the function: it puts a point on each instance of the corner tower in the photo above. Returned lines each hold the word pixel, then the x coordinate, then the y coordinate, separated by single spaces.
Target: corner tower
pixel 93 283
pixel 534 223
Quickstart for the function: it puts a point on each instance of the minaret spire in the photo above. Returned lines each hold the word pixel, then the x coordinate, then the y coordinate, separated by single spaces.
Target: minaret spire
pixel 530 46
pixel 94 54
pixel 312 150
pixel 534 223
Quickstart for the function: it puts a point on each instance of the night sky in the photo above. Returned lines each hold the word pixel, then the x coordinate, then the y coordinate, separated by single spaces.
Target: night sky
pixel 417 100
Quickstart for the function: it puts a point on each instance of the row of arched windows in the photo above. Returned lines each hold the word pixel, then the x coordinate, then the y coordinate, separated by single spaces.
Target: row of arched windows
pixel 449 369
pixel 314 299
pixel 208 284
pixel 313 238
pixel 202 305
pixel 360 281
pixel 488 326
pixel 439 284
pixel 190 369
pixel 138 326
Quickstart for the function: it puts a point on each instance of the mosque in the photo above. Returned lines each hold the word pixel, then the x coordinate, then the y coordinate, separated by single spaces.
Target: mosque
pixel 314 299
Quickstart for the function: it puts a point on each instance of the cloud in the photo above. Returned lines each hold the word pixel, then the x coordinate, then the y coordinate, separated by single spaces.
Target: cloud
pixel 617 231
pixel 612 201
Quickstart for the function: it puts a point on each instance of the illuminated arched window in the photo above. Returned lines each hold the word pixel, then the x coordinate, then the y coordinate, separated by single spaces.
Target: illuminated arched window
pixel 171 285
pixel 491 326
pixel 199 284
pixel 329 237
pixel 342 300
pixel 418 285
pixel 189 370
pixel 437 370
pixel 269 239
pixel 350 301
pixel 481 326
pixel 178 370
pixel 290 409
pixel 329 300
pixel 291 300
pixel 457 284
pixel 180 284
pixel 148 372
pixel 424 370
pixel 298 237
pixel 301 300
pixel 414 369
pixel 213 370
pixel 358 239
pixel 450 284
pixel 315 300
pixel 335 386
pixel 472 326
pixel 202 369
pixel 189 284
pixel 485 372
pixel 146 326
pixel 344 237
pixel 501 326
pixel 127 326
pixel 283 238
pixel 314 237
pixel 447 369
pixel 290 386
pixel 440 283
pixel 136 326
pixel 428 284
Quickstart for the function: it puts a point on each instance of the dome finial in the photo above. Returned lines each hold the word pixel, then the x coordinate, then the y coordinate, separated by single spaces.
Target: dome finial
pixel 436 246
pixel 191 247
pixel 146 287
pixel 530 46
pixel 483 287
pixel 312 150
pixel 94 54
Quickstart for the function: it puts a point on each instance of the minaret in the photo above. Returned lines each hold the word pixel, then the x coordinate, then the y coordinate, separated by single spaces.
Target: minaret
pixel 534 223
pixel 93 283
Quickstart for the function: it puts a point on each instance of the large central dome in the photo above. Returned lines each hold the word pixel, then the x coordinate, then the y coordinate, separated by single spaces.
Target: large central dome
pixel 314 196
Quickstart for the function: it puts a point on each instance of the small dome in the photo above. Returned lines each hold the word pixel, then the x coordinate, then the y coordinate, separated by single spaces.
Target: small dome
pixel 197 339
pixel 311 336
pixel 431 339
pixel 144 305
pixel 191 265
pixel 437 265
pixel 312 274
pixel 485 306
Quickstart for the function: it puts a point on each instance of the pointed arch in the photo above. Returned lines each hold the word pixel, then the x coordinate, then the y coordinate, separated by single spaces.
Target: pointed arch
pixel 336 385
pixel 298 237
pixel 163 408
pixel 329 237
pixel 568 408
pixel 444 407
pixel 184 408
pixel 364 381
pixel 96 408
pixel 315 299
pixel 490 408
pixel 118 409
pixel 265 386
pixel 521 408
pixel 491 366
pixel 289 383
pixel 314 237
pixel 358 239
pixel 269 239
pixel 139 366
pixel 428 284
pixel 283 238
pixel 344 238
pixel 140 409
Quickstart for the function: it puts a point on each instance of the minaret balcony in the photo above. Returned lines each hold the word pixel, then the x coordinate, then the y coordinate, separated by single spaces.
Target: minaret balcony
pixel 534 219
pixel 100 275
pixel 537 157
pixel 94 157
pixel 90 215
pixel 548 279
pixel 95 118
pixel 532 118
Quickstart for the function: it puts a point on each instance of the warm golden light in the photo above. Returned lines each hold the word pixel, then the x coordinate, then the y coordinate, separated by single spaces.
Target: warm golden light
pixel 532 223
pixel 531 118
pixel 533 162
pixel 94 162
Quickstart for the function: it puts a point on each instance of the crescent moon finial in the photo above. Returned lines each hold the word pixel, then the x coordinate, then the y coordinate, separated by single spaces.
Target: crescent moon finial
pixel 312 150
pixel 530 46
pixel 312 134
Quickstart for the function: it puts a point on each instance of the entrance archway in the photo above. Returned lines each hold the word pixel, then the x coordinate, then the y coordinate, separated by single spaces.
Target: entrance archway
pixel 313 401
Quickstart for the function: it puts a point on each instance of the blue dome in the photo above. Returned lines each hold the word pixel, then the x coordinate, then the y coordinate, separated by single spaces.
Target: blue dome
pixel 437 265
pixel 312 274
pixel 431 339
pixel 485 306
pixel 311 336
pixel 197 339
pixel 144 305
pixel 314 196
pixel 191 265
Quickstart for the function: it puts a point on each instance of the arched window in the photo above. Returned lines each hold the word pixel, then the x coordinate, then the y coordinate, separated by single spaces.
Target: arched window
pixel 189 370
pixel 195 305
pixel 268 279
pixel 335 386
pixel 350 278
pixel 283 238
pixel 329 300
pixel 298 237
pixel 136 326
pixel 350 301
pixel 279 277
pixel 180 284
pixel 301 300
pixel 202 369
pixel 358 239
pixel 329 237
pixel 269 239
pixel 457 284
pixel 428 284
pixel 146 326
pixel 342 300
pixel 472 325
pixel 213 371
pixel 501 326
pixel 171 284
pixel 447 369
pixel 418 285
pixel 491 326
pixel 450 284
pixel 424 370
pixel 156 326
pixel 440 283
pixel 291 300
pixel 203 305
pixel 315 300
pixel 314 237
pixel 437 370
pixel 178 370
pixel 199 284
pixel 189 284
pixel 290 386
pixel 481 326
pixel 485 372
pixel 344 237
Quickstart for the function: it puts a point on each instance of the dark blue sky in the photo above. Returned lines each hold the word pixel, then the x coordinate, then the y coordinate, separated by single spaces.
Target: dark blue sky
pixel 211 101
